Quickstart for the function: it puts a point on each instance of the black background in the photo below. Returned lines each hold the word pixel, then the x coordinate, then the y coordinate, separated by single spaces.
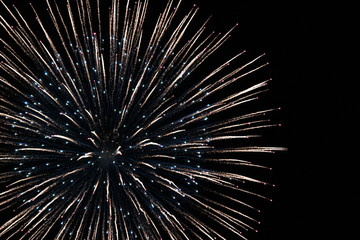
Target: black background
pixel 312 54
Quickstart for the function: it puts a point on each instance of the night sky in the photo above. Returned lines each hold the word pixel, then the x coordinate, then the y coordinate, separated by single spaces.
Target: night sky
pixel 313 53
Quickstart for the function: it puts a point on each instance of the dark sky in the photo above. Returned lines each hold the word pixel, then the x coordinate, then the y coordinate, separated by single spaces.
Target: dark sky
pixel 313 54
pixel 310 48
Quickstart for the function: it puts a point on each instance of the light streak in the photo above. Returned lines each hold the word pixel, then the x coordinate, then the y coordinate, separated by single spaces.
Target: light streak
pixel 104 135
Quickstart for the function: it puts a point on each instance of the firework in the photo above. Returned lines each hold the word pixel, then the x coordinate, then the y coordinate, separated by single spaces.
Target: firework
pixel 105 134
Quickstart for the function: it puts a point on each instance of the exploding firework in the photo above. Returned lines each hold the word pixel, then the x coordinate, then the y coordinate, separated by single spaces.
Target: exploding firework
pixel 106 134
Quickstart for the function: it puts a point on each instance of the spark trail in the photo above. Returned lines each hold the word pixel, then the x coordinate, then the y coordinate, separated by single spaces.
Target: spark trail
pixel 103 137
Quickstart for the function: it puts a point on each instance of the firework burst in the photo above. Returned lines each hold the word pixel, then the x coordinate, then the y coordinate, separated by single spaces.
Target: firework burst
pixel 105 134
